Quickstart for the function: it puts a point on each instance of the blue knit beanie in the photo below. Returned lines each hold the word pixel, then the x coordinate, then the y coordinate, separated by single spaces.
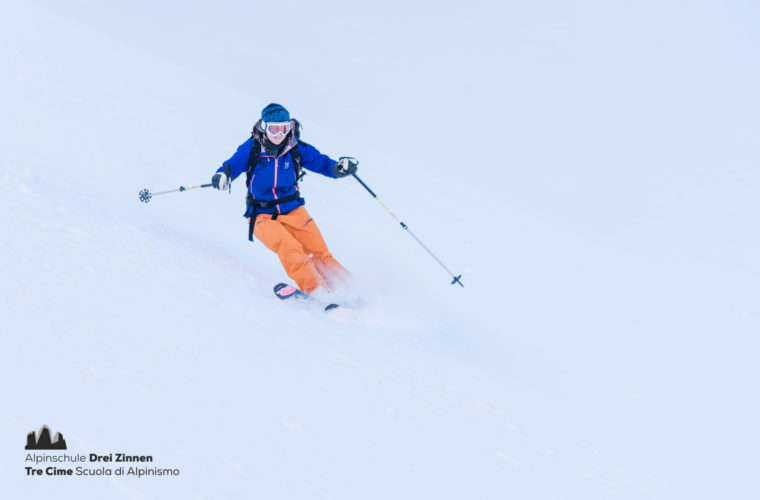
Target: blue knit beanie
pixel 274 113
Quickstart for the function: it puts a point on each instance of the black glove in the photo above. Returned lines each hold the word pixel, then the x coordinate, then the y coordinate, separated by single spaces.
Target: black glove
pixel 220 181
pixel 346 166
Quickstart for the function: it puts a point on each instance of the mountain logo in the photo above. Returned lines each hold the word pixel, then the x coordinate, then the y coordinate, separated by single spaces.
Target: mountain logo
pixel 43 441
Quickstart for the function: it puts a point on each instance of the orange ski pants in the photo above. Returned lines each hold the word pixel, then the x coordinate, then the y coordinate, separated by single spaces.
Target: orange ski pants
pixel 296 240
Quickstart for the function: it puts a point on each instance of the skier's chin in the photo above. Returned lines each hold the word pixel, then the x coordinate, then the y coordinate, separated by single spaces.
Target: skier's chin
pixel 275 140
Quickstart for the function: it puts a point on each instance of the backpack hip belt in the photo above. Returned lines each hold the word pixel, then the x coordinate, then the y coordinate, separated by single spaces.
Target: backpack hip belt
pixel 253 205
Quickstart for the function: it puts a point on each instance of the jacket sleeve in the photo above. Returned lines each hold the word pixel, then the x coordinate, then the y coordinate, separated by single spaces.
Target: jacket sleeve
pixel 239 161
pixel 312 159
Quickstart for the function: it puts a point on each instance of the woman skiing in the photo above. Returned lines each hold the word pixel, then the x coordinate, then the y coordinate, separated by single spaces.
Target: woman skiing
pixel 272 159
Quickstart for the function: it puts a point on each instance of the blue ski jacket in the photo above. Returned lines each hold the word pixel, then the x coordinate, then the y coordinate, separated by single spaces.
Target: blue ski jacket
pixel 275 177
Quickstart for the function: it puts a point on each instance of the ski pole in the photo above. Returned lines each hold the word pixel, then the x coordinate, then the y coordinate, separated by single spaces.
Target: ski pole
pixel 456 279
pixel 146 195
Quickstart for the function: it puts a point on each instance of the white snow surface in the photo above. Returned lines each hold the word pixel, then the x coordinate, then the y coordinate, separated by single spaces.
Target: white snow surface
pixel 591 169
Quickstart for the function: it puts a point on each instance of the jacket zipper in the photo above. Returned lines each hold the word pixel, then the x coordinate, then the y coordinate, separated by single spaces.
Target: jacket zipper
pixel 274 188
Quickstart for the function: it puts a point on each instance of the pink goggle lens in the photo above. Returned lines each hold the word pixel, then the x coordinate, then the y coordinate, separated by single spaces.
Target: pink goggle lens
pixel 278 128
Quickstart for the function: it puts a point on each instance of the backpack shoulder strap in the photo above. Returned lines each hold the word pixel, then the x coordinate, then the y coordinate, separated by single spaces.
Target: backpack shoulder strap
pixel 295 153
pixel 253 159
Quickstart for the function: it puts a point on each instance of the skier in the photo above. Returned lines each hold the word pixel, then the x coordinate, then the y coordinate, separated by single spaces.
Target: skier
pixel 272 159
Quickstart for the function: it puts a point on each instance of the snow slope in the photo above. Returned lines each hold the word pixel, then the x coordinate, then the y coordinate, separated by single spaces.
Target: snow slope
pixel 591 170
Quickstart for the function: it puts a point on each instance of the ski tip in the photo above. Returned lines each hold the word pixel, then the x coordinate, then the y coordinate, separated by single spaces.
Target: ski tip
pixel 285 291
pixel 338 313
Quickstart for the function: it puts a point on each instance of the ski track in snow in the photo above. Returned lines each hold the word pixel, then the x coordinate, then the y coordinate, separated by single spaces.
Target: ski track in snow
pixel 96 266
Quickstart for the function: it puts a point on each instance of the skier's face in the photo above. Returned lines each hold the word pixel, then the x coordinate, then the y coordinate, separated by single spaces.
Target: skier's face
pixel 275 139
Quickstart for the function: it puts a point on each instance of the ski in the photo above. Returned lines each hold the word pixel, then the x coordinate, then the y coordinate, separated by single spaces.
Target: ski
pixel 284 291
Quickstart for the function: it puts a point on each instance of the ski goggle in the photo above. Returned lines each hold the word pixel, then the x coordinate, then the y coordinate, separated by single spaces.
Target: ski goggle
pixel 275 129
